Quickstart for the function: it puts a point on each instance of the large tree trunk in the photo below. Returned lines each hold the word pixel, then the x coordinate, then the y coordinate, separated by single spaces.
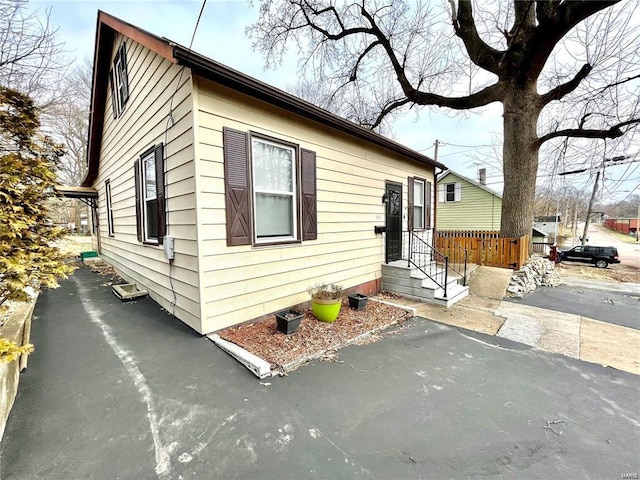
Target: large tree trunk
pixel 520 158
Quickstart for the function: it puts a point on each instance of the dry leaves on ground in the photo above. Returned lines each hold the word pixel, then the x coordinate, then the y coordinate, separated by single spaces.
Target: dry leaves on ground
pixel 313 337
pixel 616 273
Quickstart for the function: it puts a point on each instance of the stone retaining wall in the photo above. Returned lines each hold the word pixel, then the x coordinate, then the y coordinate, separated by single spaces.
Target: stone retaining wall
pixel 17 328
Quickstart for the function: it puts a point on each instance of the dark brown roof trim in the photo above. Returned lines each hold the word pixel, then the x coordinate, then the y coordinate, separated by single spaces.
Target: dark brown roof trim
pixel 106 27
pixel 235 80
pixel 156 44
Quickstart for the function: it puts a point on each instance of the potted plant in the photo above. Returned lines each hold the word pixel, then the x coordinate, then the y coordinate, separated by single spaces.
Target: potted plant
pixel 288 321
pixel 326 300
pixel 358 301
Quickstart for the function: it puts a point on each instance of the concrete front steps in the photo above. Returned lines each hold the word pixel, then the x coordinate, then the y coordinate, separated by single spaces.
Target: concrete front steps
pixel 410 282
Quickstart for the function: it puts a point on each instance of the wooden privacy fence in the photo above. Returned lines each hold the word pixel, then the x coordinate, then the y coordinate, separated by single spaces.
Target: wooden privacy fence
pixel 485 248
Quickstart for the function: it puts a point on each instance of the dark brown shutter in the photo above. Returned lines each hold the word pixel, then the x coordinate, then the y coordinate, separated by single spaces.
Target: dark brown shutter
pixel 114 105
pixel 162 216
pixel 136 176
pixel 308 194
pixel 427 205
pixel 236 187
pixel 410 203
pixel 125 73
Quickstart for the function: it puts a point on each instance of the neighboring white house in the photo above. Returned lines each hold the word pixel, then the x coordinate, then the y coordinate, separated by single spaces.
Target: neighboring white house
pixel 227 198
pixel 550 224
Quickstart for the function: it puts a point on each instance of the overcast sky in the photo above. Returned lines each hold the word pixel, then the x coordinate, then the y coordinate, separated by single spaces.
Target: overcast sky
pixel 468 140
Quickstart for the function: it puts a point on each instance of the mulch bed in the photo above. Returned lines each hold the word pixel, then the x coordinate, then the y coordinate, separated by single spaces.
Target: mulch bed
pixel 313 337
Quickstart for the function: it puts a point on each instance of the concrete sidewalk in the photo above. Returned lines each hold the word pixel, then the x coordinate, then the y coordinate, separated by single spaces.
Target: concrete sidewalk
pixel 125 391
pixel 572 335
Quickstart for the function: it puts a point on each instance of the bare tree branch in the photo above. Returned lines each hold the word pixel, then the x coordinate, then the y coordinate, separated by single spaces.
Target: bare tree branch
pixel 566 88
pixel 479 52
pixel 568 49
pixel 30 55
pixel 386 111
pixel 615 131
pixel 556 19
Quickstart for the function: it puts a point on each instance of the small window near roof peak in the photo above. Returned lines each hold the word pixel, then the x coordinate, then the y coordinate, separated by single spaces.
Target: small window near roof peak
pixel 119 81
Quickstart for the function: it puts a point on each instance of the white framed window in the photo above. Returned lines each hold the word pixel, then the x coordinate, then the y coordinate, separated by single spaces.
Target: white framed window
pixel 149 178
pixel 418 204
pixel 107 189
pixel 275 199
pixel 149 198
pixel 449 192
pixel 119 81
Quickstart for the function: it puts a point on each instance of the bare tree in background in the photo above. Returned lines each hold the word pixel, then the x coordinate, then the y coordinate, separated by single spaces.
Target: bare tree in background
pixel 30 55
pixel 68 123
pixel 580 58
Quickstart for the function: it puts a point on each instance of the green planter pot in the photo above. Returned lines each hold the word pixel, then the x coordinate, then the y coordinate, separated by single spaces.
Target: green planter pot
pixel 326 310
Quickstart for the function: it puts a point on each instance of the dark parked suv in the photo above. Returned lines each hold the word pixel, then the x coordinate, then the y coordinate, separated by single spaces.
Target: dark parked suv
pixel 599 256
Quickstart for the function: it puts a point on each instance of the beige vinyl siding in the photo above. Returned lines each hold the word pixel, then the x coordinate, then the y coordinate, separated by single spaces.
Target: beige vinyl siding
pixel 142 124
pixel 244 282
pixel 477 210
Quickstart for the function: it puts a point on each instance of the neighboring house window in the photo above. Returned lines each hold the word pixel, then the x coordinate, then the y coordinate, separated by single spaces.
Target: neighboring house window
pixel 419 203
pixel 150 196
pixel 279 206
pixel 450 192
pixel 107 188
pixel 119 81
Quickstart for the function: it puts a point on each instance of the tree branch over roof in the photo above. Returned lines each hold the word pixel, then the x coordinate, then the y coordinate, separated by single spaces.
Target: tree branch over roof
pixel 490 94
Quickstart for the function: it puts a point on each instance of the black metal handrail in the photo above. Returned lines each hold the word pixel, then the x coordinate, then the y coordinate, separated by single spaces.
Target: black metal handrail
pixel 426 259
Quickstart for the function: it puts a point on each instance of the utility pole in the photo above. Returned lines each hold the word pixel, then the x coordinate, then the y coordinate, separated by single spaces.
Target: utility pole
pixel 436 188
pixel 574 226
pixel 638 225
pixel 586 220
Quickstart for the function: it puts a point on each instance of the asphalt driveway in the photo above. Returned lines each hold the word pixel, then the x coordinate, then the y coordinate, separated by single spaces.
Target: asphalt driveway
pixel 618 306
pixel 124 391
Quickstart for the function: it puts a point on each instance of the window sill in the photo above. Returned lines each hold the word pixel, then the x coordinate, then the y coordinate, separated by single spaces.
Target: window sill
pixel 275 243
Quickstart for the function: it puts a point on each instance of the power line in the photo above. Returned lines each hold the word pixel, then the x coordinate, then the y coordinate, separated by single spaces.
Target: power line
pixel 193 36
pixel 169 123
pixel 446 144
pixel 617 204
pixel 622 179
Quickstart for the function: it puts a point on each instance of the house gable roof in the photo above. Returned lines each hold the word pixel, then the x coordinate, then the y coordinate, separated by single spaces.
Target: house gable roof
pixel 548 219
pixel 466 179
pixel 539 232
pixel 108 26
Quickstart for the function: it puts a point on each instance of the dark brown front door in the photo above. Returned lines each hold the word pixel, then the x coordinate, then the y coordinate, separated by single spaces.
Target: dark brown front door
pixel 393 217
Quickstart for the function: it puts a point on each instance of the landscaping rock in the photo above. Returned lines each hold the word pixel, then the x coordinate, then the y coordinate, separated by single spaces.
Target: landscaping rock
pixel 535 273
